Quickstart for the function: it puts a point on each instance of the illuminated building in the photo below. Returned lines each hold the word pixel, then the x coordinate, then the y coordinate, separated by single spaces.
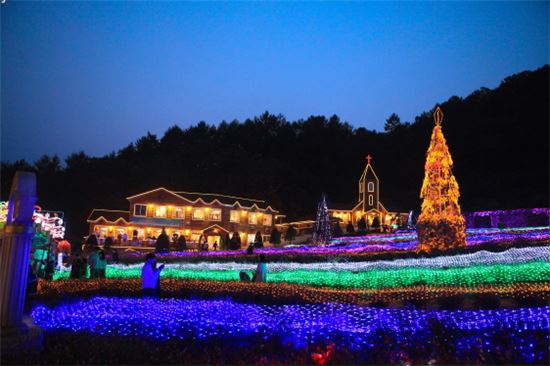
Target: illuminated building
pixel 194 215
pixel 368 204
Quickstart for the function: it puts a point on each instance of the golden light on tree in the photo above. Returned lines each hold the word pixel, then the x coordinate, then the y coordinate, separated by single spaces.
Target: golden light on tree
pixel 440 224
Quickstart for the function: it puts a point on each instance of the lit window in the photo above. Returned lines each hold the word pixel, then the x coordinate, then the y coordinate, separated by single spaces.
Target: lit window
pixel 215 214
pixel 252 218
pixel 267 221
pixel 140 210
pixel 198 214
pixel 235 216
pixel 360 188
pixel 178 213
pixel 371 187
pixel 371 199
pixel 160 211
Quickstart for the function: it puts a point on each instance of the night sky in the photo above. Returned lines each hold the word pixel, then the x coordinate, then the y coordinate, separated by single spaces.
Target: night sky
pixel 95 76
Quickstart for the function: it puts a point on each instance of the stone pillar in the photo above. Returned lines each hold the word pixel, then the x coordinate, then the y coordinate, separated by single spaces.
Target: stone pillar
pixel 15 249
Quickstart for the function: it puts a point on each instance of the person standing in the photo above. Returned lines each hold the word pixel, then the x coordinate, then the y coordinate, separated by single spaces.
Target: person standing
pixel 75 266
pixel 261 270
pixel 101 264
pixel 150 276
pixel 92 260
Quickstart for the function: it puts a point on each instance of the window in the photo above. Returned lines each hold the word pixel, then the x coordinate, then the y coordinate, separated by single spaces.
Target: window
pixel 360 187
pixel 235 216
pixel 160 211
pixel 267 221
pixel 371 187
pixel 252 218
pixel 178 213
pixel 198 214
pixel 215 215
pixel 140 210
pixel 371 199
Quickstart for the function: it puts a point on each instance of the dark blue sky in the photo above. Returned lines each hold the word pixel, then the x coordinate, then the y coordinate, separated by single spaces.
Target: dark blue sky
pixel 95 76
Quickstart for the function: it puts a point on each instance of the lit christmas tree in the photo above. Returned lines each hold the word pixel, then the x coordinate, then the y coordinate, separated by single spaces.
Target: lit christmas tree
pixel 440 225
pixel 322 231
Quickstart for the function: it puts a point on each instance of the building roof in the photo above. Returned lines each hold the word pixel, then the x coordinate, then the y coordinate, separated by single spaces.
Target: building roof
pixel 108 215
pixel 211 198
pixel 222 198
pixel 342 206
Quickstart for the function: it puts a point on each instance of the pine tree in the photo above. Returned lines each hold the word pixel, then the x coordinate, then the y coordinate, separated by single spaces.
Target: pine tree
pixel 322 230
pixel 163 242
pixel 440 225
pixel 337 230
pixel 275 237
pixel 258 240
pixel 350 229
pixel 362 225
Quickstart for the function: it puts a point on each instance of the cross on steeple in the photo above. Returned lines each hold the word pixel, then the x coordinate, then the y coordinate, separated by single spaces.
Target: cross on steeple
pixel 369 158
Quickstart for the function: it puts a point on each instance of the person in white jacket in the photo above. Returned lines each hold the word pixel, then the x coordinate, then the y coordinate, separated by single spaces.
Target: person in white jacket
pixel 150 276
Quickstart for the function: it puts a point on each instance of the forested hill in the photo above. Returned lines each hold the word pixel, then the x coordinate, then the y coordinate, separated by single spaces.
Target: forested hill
pixel 498 139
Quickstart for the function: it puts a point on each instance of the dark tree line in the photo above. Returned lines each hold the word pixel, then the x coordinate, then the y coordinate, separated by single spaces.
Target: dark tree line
pixel 498 139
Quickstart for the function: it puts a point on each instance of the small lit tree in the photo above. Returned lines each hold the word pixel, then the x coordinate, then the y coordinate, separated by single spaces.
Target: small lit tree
pixel 440 225
pixel 322 232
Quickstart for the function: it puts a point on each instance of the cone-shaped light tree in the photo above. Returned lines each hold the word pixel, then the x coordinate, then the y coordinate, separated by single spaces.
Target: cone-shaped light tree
pixel 440 225
pixel 322 230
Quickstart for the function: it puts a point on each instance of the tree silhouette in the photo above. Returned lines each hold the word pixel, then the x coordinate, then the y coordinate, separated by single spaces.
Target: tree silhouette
pixel 362 225
pixel 259 155
pixel 235 242
pixel 275 236
pixel 337 230
pixel 392 123
pixel 163 242
pixel 258 241
pixel 290 234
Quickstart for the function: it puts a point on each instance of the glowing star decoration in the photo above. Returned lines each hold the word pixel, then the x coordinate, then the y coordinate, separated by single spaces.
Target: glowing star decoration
pixel 440 225
pixel 49 222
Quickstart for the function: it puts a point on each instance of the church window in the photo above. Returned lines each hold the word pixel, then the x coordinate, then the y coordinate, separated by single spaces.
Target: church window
pixel 371 187
pixel 371 199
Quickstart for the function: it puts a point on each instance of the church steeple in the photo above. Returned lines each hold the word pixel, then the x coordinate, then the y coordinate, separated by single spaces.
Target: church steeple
pixel 368 187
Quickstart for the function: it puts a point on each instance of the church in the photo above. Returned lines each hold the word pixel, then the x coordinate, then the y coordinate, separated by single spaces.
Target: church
pixel 368 203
